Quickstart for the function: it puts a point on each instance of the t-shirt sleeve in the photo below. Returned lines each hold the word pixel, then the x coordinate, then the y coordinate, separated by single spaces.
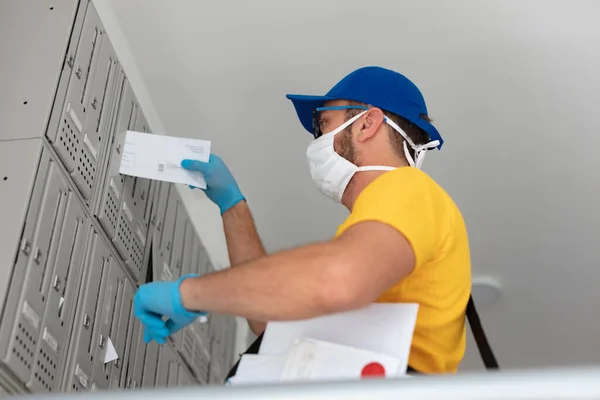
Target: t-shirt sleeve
pixel 411 202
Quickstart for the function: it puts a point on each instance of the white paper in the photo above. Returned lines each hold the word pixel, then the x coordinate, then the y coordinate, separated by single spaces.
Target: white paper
pixel 159 157
pixel 110 354
pixel 257 369
pixel 385 328
pixel 312 359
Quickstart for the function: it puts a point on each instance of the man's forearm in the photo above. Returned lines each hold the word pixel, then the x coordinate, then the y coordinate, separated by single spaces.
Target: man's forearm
pixel 291 285
pixel 243 244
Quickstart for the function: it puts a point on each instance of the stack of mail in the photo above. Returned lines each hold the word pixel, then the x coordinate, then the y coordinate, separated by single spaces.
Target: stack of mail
pixel 370 342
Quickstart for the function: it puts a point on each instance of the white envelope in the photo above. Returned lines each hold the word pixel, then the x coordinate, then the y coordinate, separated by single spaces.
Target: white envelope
pixel 311 360
pixel 384 328
pixel 257 369
pixel 159 157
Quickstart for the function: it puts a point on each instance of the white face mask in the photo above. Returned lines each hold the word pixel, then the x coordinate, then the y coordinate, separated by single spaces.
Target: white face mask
pixel 332 172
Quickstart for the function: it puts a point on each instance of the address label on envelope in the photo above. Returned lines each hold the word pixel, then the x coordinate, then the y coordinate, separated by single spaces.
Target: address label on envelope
pixel 159 157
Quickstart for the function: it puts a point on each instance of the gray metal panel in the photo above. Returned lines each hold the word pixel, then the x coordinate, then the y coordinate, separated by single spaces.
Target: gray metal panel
pixel 9 384
pixel 176 339
pixel 201 359
pixel 194 250
pixel 148 248
pixel 19 160
pixel 185 378
pixel 229 343
pixel 215 373
pixel 215 342
pixel 174 263
pixel 186 344
pixel 160 270
pixel 201 365
pixel 162 369
pixel 173 377
pixel 84 130
pixel 134 371
pixel 144 187
pixel 222 336
pixel 130 238
pixel 110 203
pixel 67 68
pixel 188 248
pixel 124 238
pixel 120 332
pixel 203 332
pixel 166 243
pixel 20 331
pixel 140 188
pixel 34 37
pixel 138 192
pixel 83 357
pixel 166 357
pixel 161 199
pixel 132 233
pixel 136 197
pixel 116 207
pixel 204 264
pixel 108 312
pixel 60 289
pixel 150 365
pixel 181 222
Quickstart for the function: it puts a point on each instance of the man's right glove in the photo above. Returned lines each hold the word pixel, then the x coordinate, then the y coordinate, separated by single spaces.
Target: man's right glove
pixel 159 308
pixel 221 187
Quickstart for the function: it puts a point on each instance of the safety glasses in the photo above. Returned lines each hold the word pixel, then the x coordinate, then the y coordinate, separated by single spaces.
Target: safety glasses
pixel 315 117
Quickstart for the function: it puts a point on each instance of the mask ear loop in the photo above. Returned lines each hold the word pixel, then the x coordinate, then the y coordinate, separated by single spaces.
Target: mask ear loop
pixel 411 162
pixel 420 151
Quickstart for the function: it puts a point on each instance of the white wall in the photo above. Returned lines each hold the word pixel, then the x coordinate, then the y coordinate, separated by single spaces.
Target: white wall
pixel 513 87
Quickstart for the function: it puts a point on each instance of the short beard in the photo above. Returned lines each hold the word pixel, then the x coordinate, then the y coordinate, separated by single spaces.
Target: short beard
pixel 345 147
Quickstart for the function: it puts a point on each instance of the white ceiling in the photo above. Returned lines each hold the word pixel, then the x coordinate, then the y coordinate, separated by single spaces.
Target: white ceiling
pixel 513 86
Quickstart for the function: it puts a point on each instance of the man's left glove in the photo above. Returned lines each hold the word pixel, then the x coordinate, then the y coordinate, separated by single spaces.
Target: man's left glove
pixel 159 308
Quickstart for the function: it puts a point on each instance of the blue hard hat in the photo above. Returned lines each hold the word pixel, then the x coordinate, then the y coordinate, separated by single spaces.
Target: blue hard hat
pixel 378 87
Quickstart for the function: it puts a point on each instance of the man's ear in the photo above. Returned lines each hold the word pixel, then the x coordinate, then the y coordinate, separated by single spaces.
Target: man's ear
pixel 371 122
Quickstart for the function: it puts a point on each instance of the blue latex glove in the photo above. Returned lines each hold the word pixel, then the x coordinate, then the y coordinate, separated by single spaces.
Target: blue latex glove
pixel 221 187
pixel 157 300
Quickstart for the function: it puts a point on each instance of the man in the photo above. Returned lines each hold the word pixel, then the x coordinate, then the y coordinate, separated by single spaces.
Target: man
pixel 404 241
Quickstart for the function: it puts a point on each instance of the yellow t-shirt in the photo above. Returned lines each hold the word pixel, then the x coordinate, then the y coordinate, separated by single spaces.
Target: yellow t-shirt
pixel 413 203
